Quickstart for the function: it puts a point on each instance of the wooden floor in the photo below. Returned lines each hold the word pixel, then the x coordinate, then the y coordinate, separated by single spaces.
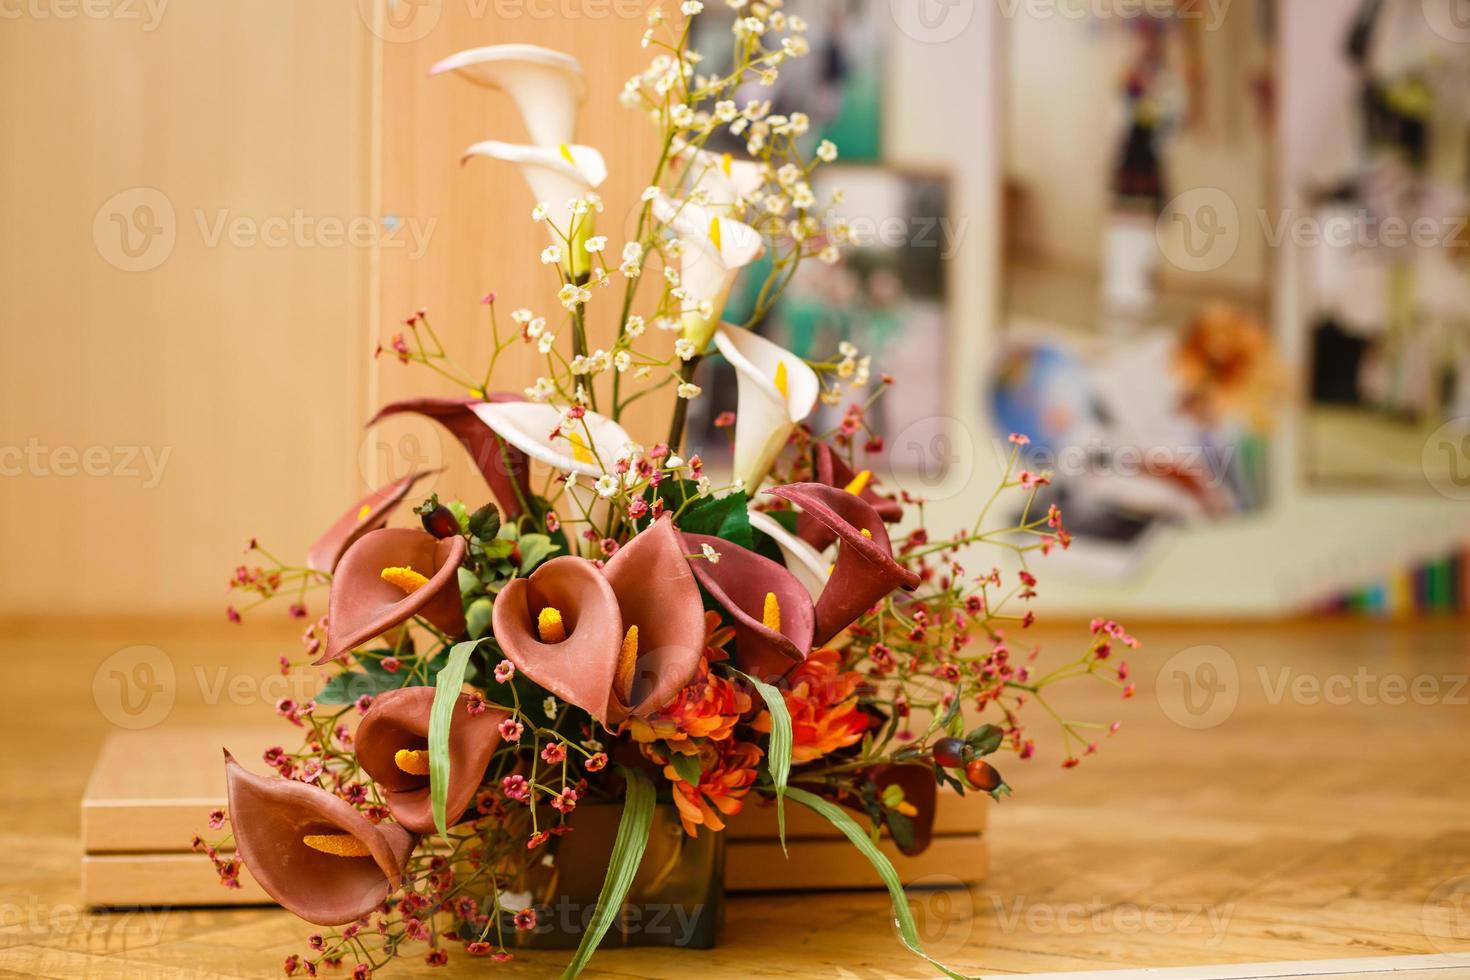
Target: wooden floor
pixel 1299 811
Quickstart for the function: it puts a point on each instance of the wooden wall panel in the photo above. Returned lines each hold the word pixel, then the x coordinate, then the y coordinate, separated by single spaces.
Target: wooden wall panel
pixel 238 363
pixel 483 236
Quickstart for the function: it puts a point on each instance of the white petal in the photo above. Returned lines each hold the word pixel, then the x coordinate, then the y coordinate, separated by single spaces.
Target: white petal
pixel 551 177
pixel 526 425
pixel 547 85
pixel 802 560
pixel 763 418
pixel 707 171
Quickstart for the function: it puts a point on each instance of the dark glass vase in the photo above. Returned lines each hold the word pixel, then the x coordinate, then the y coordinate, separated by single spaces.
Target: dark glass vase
pixel 676 899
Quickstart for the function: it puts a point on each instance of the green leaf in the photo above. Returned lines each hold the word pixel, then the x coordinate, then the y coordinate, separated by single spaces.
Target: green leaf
pixel 839 818
pixel 778 756
pixel 477 617
pixel 622 866
pixel 687 766
pixel 485 522
pixel 446 695
pixel 535 548
pixel 985 739
pixel 468 583
pixel 457 508
pixel 499 548
pixel 350 685
pixel 721 517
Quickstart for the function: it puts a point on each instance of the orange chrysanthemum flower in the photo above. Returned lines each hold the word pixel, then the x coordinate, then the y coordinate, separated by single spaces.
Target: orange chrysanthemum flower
pixel 822 700
pixel 729 770
pixel 707 708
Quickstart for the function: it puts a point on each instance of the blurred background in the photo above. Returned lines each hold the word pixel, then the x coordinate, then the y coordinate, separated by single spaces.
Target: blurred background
pixel 1211 256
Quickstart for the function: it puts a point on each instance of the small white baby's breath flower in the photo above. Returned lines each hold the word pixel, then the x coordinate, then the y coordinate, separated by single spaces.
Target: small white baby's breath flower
pixel 690 8
pixel 649 193
pixel 688 390
pixel 521 316
pixel 539 212
pixel 548 708
pixel 830 255
pixel 703 486
pixel 643 373
pixel 607 485
pixel 622 360
pixel 596 243
pixel 710 554
pixel 666 323
pixel 684 348
pixel 633 252
pixel 551 255
pixel 674 462
pixel 827 151
pixel 634 327
pixel 546 343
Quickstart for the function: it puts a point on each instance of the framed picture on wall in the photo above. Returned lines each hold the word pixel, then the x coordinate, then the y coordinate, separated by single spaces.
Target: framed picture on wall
pixel 1136 350
pixel 839 84
pixel 889 297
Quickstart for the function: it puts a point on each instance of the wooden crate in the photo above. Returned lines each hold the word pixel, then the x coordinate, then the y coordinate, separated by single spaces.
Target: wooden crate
pixel 151 792
pixel 821 858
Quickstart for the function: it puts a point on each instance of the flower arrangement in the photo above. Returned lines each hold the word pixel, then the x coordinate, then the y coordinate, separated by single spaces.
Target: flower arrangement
pixel 614 628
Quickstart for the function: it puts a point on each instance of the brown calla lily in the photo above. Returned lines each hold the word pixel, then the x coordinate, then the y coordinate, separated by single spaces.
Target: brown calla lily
pixel 385 579
pixel 830 470
pixel 772 611
pixel 504 467
pixel 865 570
pixel 659 598
pixel 311 851
pixel 392 747
pixel 368 514
pixel 561 627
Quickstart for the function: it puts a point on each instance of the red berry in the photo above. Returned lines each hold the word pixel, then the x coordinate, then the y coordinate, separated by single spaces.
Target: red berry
pixel 982 775
pixel 441 522
pixel 950 752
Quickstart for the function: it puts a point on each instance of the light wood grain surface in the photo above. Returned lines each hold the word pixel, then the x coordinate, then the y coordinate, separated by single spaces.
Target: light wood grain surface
pixel 1318 819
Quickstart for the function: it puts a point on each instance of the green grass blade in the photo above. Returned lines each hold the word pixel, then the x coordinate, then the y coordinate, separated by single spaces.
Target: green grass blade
pixel 779 756
pixel 859 837
pixel 627 854
pixel 446 694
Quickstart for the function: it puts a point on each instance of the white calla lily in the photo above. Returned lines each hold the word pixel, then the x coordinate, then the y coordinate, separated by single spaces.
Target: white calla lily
pixel 556 175
pixel 802 560
pixel 723 181
pixel 528 427
pixel 716 248
pixel 547 85
pixel 775 390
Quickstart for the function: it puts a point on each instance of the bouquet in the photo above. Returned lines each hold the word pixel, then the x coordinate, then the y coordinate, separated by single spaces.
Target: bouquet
pixel 616 630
